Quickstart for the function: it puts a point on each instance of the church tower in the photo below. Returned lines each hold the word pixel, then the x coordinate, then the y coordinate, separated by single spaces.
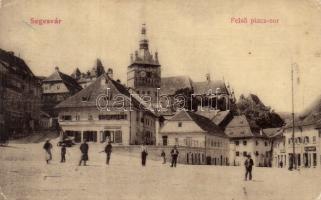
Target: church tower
pixel 144 71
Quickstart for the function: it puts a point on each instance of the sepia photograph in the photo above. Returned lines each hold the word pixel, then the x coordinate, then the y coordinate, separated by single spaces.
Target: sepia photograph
pixel 160 100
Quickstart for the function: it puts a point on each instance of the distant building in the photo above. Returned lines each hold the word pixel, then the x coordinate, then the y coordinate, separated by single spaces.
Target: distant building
pixel 55 89
pixel 123 123
pixel 246 138
pixel 20 96
pixel 202 140
pixel 144 71
pixel 307 143
pixel 85 79
pixel 220 118
pixel 144 76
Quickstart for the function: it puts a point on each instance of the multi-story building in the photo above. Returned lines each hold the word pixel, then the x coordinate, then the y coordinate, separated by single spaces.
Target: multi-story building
pixel 203 141
pixel 306 144
pixel 279 155
pixel 20 96
pixel 106 109
pixel 144 76
pixel 246 138
pixel 144 71
pixel 55 89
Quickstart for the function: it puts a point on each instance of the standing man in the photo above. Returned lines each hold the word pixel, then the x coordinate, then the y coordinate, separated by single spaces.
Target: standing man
pixel 47 147
pixel 174 154
pixel 248 167
pixel 144 155
pixel 63 153
pixel 108 150
pixel 84 152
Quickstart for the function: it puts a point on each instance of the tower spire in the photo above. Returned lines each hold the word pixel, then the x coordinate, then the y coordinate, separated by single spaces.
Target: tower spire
pixel 143 44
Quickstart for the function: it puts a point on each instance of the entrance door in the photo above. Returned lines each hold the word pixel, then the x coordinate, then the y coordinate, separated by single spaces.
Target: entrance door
pixel 90 136
pixel 108 135
pixel 164 140
pixel 314 159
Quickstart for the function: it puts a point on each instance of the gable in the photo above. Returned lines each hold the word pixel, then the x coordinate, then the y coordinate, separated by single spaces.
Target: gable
pixel 186 127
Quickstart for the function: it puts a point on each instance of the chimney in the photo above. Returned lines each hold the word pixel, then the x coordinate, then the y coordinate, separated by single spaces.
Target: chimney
pixel 57 68
pixel 110 73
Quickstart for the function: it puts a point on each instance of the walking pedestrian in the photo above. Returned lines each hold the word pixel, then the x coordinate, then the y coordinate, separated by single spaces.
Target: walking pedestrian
pixel 174 154
pixel 84 153
pixel 47 147
pixel 63 153
pixel 144 154
pixel 108 150
pixel 163 155
pixel 248 167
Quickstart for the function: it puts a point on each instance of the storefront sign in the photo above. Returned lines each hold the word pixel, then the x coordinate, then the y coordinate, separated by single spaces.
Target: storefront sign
pixel 310 148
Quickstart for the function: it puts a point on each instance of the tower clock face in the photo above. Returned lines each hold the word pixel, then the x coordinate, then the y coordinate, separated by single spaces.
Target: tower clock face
pixel 142 73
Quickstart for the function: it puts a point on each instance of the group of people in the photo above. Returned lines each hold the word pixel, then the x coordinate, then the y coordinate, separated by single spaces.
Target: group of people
pixel 174 155
pixel 84 148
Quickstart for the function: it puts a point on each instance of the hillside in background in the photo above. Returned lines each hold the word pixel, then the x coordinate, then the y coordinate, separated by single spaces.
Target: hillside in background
pixel 253 108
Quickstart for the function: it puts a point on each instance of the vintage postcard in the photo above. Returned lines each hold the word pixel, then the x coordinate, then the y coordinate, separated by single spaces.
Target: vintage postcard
pixel 160 99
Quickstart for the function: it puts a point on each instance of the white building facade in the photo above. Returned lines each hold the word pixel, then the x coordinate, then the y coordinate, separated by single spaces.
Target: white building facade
pixel 118 118
pixel 205 143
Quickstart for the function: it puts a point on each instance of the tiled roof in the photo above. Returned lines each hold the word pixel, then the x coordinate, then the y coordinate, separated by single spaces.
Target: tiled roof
pixel 21 68
pixel 204 123
pixel 88 96
pixel 272 132
pixel 210 114
pixel 169 85
pixel 204 87
pixel 70 83
pixel 220 117
pixel 237 126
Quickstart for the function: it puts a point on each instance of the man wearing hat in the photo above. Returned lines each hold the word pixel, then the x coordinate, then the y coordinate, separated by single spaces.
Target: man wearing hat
pixel 47 147
pixel 108 150
pixel 84 152
pixel 248 167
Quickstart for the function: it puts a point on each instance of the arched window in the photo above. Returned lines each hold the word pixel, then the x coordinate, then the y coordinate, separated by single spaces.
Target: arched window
pixel 306 139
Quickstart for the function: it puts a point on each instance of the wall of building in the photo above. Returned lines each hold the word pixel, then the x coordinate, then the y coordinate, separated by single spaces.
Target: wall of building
pixel 307 151
pixel 258 148
pixel 54 87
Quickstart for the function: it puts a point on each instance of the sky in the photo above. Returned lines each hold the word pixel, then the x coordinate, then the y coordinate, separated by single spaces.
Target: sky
pixel 192 38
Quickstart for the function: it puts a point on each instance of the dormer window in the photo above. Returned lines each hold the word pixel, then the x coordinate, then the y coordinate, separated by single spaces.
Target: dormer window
pixel 179 124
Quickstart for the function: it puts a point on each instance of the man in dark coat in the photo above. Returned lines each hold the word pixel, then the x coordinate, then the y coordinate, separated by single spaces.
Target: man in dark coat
pixel 108 150
pixel 174 154
pixel 47 147
pixel 63 153
pixel 84 152
pixel 144 155
pixel 248 167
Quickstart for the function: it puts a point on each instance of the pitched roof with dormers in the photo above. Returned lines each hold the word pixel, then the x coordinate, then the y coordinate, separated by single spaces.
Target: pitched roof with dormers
pixel 89 95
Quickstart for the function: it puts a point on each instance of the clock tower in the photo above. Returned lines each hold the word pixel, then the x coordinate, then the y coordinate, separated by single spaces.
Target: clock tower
pixel 144 73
